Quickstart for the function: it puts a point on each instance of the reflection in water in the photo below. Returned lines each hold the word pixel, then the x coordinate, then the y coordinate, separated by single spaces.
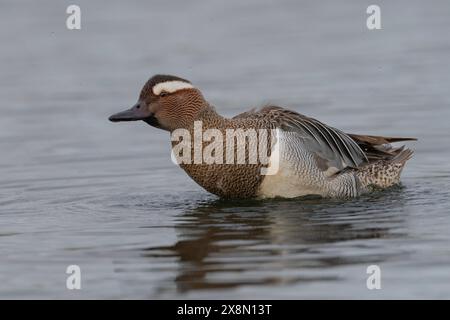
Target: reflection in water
pixel 226 244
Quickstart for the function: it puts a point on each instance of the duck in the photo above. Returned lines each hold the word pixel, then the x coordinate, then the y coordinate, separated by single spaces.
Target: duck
pixel 304 156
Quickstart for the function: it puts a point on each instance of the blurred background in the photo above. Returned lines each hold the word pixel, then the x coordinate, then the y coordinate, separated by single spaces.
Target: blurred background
pixel 77 189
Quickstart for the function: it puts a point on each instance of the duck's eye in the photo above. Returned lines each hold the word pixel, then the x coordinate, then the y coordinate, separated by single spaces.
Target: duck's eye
pixel 163 94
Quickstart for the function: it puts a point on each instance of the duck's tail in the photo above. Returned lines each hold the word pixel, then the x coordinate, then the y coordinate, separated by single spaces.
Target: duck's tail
pixel 384 173
pixel 379 148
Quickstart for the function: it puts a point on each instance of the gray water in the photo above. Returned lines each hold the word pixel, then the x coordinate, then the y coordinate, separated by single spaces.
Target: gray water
pixel 76 189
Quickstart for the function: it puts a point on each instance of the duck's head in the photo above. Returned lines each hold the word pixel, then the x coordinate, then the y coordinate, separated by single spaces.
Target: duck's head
pixel 165 102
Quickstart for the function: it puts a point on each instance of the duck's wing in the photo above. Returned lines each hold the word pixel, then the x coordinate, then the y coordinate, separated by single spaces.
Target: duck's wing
pixel 330 146
pixel 378 147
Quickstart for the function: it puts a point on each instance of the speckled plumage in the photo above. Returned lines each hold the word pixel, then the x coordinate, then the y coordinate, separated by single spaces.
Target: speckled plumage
pixel 314 158
pixel 301 172
pixel 225 180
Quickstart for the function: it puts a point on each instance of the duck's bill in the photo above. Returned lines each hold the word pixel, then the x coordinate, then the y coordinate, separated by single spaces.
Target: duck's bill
pixel 134 114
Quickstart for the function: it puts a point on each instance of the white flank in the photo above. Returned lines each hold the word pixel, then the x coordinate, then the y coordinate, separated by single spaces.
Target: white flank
pixel 284 180
pixel 171 86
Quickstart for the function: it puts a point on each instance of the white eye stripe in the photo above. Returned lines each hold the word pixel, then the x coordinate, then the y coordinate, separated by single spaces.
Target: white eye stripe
pixel 171 86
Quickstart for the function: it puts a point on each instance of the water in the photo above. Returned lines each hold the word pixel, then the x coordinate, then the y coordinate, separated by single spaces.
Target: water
pixel 77 189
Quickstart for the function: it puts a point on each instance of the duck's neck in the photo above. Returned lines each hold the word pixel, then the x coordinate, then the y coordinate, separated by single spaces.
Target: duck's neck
pixel 209 119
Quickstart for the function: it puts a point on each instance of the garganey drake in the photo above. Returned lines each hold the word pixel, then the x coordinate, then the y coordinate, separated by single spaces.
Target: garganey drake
pixel 309 157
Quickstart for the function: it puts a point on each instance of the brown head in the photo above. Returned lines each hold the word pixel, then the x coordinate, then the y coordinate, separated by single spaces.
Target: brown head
pixel 165 102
